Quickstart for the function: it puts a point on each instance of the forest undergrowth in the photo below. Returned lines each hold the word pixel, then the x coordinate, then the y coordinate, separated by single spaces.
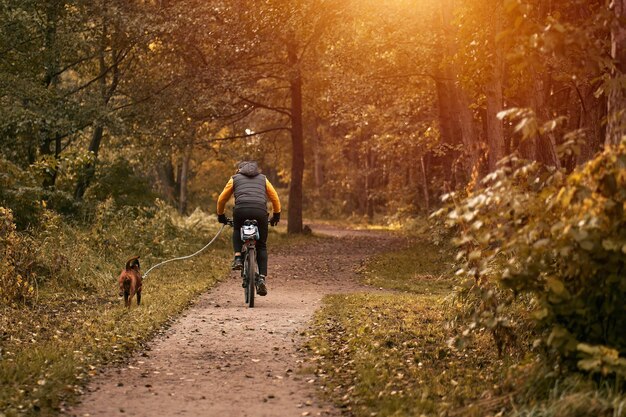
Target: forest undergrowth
pixel 62 320
pixel 401 354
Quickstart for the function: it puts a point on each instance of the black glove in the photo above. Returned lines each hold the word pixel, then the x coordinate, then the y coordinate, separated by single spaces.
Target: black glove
pixel 275 219
pixel 222 218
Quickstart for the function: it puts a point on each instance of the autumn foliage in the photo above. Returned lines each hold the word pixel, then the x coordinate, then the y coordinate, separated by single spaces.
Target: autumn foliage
pixel 560 238
pixel 17 278
pixel 114 113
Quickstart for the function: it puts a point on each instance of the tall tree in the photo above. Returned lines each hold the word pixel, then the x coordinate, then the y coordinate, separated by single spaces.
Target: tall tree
pixel 456 118
pixel 297 136
pixel 616 128
pixel 112 48
pixel 494 88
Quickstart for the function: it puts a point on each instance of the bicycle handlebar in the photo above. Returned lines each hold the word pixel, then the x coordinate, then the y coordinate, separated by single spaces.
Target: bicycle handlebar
pixel 231 222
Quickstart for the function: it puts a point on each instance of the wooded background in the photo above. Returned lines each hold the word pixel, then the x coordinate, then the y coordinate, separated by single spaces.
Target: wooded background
pixel 358 107
pixel 506 115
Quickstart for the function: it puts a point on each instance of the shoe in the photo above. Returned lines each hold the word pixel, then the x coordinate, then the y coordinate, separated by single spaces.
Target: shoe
pixel 237 264
pixel 261 289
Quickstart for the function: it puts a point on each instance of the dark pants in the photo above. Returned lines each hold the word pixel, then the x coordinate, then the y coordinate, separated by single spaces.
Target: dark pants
pixel 239 216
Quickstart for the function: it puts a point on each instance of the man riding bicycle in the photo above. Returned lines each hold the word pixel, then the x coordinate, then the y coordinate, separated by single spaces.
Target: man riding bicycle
pixel 252 191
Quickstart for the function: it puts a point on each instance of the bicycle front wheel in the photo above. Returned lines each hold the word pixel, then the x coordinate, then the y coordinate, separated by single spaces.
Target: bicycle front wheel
pixel 251 273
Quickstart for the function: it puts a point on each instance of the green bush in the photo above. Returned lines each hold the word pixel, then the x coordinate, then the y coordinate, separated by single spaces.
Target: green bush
pixel 561 239
pixel 134 230
pixel 120 182
pixel 20 192
pixel 62 202
pixel 88 257
pixel 66 255
pixel 154 233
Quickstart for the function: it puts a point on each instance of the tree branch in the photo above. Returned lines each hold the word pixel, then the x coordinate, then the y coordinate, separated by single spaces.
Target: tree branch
pixel 281 110
pixel 80 61
pixel 99 77
pixel 146 98
pixel 247 135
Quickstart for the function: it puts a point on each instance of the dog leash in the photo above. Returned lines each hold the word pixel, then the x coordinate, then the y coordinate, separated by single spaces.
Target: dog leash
pixel 185 257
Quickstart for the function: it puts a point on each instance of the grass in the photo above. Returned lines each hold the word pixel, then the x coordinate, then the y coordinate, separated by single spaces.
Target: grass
pixel 568 395
pixel 76 325
pixel 389 354
pixel 355 223
pixel 386 355
pixel 421 268
pixel 70 337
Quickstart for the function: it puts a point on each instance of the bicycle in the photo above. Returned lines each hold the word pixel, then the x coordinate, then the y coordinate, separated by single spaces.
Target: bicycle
pixel 249 235
pixel 250 271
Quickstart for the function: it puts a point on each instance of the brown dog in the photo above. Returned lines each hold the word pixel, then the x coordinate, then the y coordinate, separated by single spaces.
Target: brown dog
pixel 130 281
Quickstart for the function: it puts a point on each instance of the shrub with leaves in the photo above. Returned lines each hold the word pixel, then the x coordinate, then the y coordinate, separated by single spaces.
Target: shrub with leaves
pixel 20 193
pixel 155 233
pixel 16 275
pixel 486 221
pixel 562 240
pixel 119 181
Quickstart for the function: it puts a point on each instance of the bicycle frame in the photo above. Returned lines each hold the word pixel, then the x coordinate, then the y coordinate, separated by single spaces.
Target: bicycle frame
pixel 250 271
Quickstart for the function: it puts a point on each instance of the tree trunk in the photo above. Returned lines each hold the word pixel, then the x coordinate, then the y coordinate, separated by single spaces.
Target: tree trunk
pixel 495 133
pixel 527 148
pixel 184 176
pixel 317 156
pixel 51 174
pixel 167 181
pixel 90 170
pixel 447 119
pixel 545 145
pixel 369 174
pixel 454 103
pixel 595 115
pixel 468 127
pixel 425 185
pixel 616 126
pixel 297 142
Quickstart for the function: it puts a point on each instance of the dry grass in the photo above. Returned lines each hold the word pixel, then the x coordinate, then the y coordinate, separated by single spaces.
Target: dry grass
pixel 76 325
pixel 387 355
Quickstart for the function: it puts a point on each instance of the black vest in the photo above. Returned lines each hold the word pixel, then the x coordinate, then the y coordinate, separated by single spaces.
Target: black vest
pixel 250 192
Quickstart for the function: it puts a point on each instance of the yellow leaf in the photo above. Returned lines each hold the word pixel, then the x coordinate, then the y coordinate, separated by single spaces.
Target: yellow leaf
pixel 556 286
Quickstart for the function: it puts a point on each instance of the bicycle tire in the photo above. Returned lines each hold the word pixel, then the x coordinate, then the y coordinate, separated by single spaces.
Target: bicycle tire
pixel 244 277
pixel 251 276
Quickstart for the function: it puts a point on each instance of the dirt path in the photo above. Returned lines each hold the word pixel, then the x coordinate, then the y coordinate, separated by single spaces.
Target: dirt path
pixel 223 359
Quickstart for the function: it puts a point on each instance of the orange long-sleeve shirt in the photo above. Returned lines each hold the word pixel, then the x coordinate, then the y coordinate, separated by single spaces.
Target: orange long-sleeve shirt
pixel 272 196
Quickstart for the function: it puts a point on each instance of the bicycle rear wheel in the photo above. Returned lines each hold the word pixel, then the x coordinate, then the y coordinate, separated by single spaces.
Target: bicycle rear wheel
pixel 251 272
pixel 244 277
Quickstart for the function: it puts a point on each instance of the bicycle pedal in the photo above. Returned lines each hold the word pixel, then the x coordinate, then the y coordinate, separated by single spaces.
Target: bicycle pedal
pixel 261 289
pixel 237 264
